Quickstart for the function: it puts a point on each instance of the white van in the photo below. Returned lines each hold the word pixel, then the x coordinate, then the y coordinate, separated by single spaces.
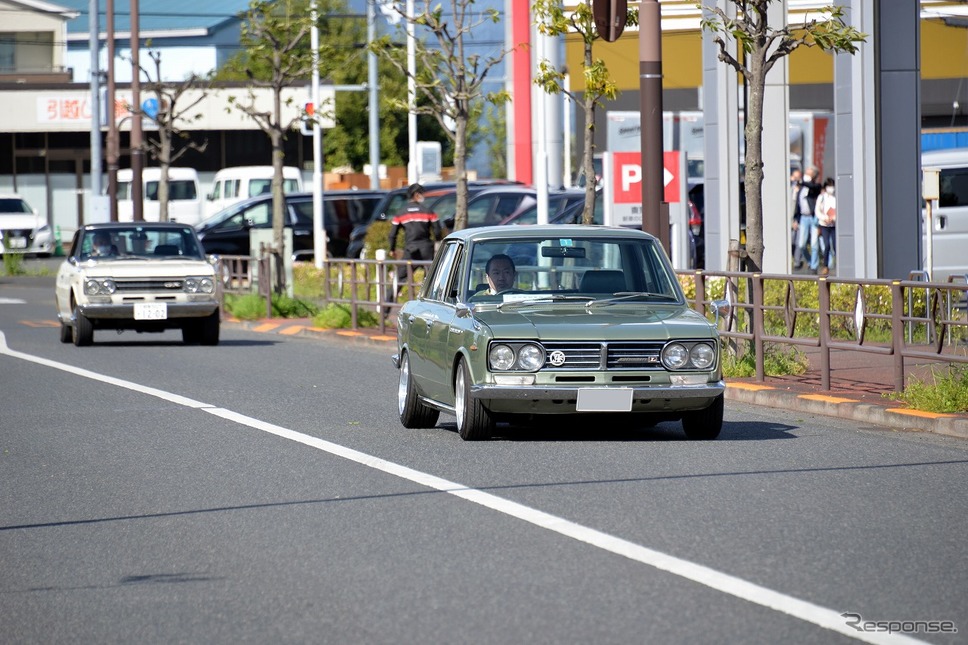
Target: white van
pixel 232 185
pixel 184 195
pixel 950 215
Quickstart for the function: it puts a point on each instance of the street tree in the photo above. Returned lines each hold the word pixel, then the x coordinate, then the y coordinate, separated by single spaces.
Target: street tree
pixel 760 46
pixel 552 20
pixel 276 56
pixel 448 77
pixel 176 103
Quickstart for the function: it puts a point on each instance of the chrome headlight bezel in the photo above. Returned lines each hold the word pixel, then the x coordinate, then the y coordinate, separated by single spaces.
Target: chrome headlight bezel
pixel 517 356
pixel 682 355
pixel 99 287
pixel 198 284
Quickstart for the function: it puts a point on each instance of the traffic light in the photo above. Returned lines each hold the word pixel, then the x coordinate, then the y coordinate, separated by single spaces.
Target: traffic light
pixel 610 17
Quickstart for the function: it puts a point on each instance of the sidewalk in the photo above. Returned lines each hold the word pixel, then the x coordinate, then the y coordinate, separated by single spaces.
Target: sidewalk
pixel 858 382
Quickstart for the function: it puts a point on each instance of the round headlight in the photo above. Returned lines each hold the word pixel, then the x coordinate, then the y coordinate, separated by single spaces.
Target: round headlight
pixel 674 356
pixel 190 285
pixel 91 287
pixel 206 285
pixel 530 357
pixel 702 356
pixel 501 357
pixel 108 286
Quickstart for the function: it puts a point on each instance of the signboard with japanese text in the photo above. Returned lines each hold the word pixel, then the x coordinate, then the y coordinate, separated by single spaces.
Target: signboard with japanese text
pixel 70 110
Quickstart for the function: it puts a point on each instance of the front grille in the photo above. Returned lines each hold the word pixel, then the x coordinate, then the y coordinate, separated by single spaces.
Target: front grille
pixel 640 355
pixel 155 285
pixel 634 356
pixel 577 356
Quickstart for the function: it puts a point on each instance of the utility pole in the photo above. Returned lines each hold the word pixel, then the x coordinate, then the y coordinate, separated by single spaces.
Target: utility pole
pixel 137 154
pixel 95 105
pixel 319 221
pixel 655 213
pixel 112 143
pixel 374 97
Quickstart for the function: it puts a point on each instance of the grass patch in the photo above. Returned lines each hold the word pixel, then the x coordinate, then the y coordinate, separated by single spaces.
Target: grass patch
pixel 13 263
pixel 252 306
pixel 339 316
pixel 946 394
pixel 777 361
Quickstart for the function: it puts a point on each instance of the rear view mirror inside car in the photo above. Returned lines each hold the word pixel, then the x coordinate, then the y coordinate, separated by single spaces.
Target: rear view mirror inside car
pixel 563 251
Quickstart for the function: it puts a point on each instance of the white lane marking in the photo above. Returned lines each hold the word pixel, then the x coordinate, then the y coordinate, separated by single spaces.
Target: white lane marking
pixel 12 301
pixel 728 584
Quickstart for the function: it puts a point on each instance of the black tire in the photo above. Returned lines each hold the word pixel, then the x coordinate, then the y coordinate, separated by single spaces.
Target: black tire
pixel 190 334
pixel 208 329
pixel 66 333
pixel 704 425
pixel 474 422
pixel 413 413
pixel 83 330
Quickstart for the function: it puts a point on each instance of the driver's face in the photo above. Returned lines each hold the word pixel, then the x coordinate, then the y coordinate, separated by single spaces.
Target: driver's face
pixel 500 277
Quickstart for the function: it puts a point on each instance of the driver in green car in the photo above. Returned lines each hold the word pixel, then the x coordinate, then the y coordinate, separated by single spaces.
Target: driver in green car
pixel 500 273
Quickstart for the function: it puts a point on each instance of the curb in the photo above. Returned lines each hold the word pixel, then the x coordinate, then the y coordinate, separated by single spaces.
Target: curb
pixel 762 394
pixel 844 407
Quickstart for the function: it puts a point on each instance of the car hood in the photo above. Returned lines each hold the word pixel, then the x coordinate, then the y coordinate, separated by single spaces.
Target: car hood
pixel 145 269
pixel 18 221
pixel 616 323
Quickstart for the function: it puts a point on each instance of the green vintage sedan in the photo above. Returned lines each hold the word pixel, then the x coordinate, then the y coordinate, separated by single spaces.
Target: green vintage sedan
pixel 543 320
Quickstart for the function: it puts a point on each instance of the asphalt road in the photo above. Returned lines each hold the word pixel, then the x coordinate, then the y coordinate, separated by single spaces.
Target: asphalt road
pixel 264 491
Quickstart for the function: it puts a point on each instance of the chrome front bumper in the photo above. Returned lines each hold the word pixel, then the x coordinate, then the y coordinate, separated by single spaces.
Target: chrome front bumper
pixel 126 311
pixel 556 393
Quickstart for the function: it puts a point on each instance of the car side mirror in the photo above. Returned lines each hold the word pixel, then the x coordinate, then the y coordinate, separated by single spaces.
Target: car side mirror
pixel 463 311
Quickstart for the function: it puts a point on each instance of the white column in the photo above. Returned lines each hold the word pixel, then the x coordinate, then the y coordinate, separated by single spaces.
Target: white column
pixel 721 148
pixel 777 202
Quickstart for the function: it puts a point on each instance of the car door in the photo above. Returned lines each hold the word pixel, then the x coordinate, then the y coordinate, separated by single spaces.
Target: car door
pixel 950 225
pixel 231 236
pixel 429 324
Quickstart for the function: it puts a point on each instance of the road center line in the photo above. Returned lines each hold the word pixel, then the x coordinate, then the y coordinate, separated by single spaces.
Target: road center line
pixel 737 587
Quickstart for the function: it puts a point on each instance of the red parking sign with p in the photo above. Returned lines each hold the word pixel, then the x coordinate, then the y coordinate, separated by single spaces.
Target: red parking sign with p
pixel 627 177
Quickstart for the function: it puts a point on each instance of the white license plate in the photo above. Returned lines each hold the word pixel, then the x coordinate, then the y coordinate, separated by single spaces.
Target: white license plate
pixel 150 311
pixel 18 242
pixel 604 400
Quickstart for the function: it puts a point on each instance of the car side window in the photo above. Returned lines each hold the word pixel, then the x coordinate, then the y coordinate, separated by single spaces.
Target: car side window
pixel 259 215
pixel 441 273
pixel 478 212
pixel 954 187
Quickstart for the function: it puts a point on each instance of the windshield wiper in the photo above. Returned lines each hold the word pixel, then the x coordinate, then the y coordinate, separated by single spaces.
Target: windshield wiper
pixel 542 299
pixel 625 296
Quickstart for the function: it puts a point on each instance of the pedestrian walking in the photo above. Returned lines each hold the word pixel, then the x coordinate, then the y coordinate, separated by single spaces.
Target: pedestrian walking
pixel 826 212
pixel 807 227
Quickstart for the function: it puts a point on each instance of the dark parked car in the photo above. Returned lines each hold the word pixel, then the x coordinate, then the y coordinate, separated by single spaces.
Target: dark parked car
pixel 227 232
pixel 441 198
pixel 558 202
pixel 490 206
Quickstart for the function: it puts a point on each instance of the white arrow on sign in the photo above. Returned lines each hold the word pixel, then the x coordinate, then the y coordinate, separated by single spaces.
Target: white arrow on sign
pixel 667 177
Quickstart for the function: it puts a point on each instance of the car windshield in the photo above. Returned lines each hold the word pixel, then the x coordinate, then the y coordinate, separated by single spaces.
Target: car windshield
pixel 13 205
pixel 144 241
pixel 582 269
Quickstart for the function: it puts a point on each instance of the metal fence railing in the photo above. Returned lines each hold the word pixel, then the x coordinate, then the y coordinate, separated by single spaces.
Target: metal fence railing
pixel 907 320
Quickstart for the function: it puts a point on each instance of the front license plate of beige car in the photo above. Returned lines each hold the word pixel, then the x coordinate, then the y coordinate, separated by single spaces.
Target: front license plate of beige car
pixel 602 400
pixel 150 311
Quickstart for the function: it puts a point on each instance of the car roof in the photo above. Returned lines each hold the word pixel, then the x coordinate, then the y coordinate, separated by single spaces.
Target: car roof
pixel 121 226
pixel 952 156
pixel 489 233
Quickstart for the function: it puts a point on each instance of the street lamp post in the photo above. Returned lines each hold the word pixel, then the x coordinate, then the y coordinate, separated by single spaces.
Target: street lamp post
pixel 137 154
pixel 319 220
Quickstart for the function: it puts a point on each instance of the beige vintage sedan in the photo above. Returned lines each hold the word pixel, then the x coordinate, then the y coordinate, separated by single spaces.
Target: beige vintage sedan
pixel 141 276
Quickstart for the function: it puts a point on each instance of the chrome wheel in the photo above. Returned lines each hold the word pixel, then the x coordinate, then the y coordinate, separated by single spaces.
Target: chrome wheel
pixel 403 385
